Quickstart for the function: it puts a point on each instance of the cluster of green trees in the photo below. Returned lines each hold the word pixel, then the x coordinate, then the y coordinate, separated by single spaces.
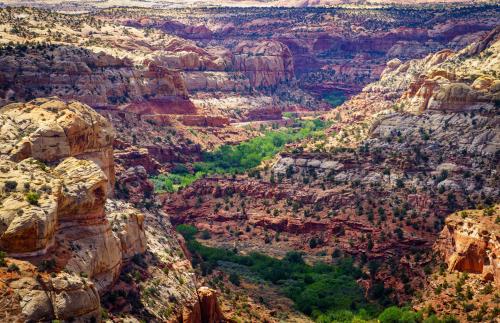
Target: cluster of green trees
pixel 316 290
pixel 326 292
pixel 335 98
pixel 236 159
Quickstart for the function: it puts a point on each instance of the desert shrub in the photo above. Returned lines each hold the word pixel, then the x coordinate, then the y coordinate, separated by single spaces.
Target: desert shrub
pixel 32 198
pixel 187 231
pixel 179 169
pixel 47 265
pixel 205 235
pixel 13 268
pixel 3 263
pixel 10 186
pixel 234 279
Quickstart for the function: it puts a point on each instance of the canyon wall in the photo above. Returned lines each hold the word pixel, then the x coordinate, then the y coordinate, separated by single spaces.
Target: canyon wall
pixel 96 79
pixel 69 244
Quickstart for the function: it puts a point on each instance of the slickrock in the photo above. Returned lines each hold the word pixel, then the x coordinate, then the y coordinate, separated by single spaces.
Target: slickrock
pixel 43 297
pixel 128 225
pixel 84 191
pixel 446 81
pixel 28 225
pixel 58 216
pixel 50 130
pixel 54 214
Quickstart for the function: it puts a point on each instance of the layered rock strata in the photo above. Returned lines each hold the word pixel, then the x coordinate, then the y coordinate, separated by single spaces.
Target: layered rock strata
pixel 67 242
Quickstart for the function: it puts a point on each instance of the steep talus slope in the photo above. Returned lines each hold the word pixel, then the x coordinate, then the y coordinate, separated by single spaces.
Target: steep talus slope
pixel 68 244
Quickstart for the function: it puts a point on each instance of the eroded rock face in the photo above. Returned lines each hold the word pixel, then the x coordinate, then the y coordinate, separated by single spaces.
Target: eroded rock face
pixel 128 225
pixel 388 172
pixel 42 297
pixel 84 191
pixel 96 79
pixel 59 219
pixel 210 311
pixel 50 130
pixel 163 279
pixel 55 214
pixel 266 63
pixel 470 243
pixel 28 226
pixel 455 82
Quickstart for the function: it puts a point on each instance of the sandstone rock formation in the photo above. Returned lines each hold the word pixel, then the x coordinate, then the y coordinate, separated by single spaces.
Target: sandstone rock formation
pixel 469 243
pixel 58 210
pixel 266 63
pixel 468 248
pixel 43 297
pixel 71 243
pixel 418 144
pixel 446 82
pixel 210 311
pixel 50 130
pixel 31 229
pixel 379 186
pixel 97 79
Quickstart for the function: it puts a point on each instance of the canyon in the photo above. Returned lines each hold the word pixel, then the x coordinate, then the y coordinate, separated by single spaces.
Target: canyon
pixel 379 134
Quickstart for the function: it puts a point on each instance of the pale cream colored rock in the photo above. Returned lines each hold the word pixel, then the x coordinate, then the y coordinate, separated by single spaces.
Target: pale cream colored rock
pixel 69 209
pixel 84 190
pixel 50 130
pixel 315 163
pixel 128 226
pixel 483 83
pixel 96 251
pixel 393 63
pixel 61 297
pixel 454 97
pixel 27 228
